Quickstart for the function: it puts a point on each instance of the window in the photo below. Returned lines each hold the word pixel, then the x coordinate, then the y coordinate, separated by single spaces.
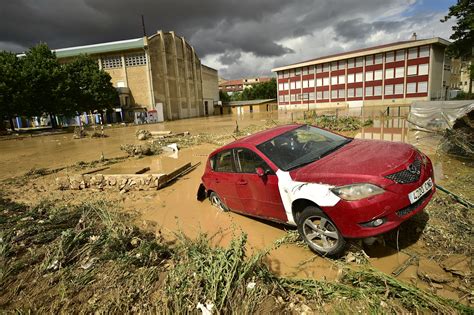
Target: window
pixel 424 51
pixel 325 81
pixel 369 76
pixel 333 80
pixel 310 69
pixel 359 92
pixel 389 73
pixel 423 69
pixel 305 84
pixel 319 82
pixel 280 86
pixel 342 93
pixel 358 77
pixel 222 162
pixel 369 60
pixel 319 95
pixel 280 75
pixel 389 57
pixel 298 85
pixel 319 68
pixel 293 97
pixel 378 75
pixel 287 98
pixel 412 53
pixel 398 88
pixel 342 79
pixel 248 161
pixel 135 60
pixel 368 91
pixel 297 71
pixel 378 59
pixel 350 63
pixel 350 93
pixel 400 55
pixel 281 98
pixel 305 70
pixel 112 62
pixel 292 85
pixel 411 88
pixel 342 65
pixel 377 90
pixel 350 78
pixel 326 67
pixel 311 96
pixel 359 62
pixel 286 86
pixel 411 70
pixel 325 95
pixel 333 65
pixel 286 74
pixel 389 89
pixel 422 87
pixel 399 72
pixel 333 94
pixel 311 83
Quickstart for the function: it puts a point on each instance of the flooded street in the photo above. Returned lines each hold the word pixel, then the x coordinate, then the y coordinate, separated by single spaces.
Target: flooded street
pixel 175 207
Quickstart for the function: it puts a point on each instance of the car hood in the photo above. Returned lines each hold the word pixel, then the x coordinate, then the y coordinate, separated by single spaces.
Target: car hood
pixel 357 161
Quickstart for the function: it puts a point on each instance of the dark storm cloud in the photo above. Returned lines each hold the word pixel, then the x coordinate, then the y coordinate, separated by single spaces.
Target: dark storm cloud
pixel 230 57
pixel 357 29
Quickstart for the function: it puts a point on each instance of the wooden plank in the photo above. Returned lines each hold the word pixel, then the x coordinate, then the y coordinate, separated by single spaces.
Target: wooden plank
pixel 160 133
pixel 95 170
pixel 143 170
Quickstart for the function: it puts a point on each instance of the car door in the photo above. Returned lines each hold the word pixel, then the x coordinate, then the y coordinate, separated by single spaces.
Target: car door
pixel 223 178
pixel 259 195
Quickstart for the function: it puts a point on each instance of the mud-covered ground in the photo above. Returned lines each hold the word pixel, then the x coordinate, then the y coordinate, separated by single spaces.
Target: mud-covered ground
pixel 437 243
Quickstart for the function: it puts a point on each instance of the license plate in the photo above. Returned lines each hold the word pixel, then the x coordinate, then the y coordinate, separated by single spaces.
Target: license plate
pixel 420 191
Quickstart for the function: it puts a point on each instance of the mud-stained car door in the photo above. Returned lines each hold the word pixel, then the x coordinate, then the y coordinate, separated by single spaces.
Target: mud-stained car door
pixel 259 194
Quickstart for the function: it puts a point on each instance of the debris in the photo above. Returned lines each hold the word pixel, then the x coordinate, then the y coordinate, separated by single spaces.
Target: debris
pixel 458 264
pixel 205 309
pixel 140 149
pixel 183 170
pixel 142 134
pixel 429 270
pixel 401 268
pixel 456 197
pixel 160 133
pixel 79 133
pixel 143 170
pixel 251 285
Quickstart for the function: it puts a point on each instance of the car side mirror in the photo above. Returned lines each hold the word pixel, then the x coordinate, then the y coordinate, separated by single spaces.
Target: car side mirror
pixel 260 172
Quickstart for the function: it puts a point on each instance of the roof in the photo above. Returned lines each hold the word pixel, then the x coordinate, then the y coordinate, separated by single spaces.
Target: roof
pixel 101 48
pixel 250 102
pixel 260 137
pixel 366 51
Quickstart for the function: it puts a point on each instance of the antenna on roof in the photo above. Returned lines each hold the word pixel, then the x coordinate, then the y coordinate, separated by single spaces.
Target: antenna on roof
pixel 413 36
pixel 143 25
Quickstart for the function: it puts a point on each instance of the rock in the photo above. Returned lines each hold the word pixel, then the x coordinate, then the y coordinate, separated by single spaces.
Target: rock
pixel 437 285
pixel 143 134
pixel 76 182
pixel 62 183
pixel 458 264
pixel 350 257
pixel 431 271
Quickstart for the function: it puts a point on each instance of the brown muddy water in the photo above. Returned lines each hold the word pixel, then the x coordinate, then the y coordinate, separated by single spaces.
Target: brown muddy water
pixel 175 207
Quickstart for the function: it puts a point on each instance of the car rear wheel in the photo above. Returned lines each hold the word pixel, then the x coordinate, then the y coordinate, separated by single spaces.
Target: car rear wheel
pixel 217 202
pixel 320 233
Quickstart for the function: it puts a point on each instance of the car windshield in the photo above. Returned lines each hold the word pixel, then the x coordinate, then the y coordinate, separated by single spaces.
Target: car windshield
pixel 301 146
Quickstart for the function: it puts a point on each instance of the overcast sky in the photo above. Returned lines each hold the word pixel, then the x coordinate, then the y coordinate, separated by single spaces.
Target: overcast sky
pixel 240 38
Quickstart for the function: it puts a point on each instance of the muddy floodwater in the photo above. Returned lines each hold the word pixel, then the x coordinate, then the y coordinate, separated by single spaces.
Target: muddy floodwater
pixel 175 207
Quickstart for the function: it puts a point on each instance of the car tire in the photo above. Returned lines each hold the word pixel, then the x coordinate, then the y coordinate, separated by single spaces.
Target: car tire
pixel 320 233
pixel 217 202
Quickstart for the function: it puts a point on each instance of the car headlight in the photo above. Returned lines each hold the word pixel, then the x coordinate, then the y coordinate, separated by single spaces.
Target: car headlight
pixel 357 191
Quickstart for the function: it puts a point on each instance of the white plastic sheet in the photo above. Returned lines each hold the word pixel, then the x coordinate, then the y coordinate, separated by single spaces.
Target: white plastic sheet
pixel 437 115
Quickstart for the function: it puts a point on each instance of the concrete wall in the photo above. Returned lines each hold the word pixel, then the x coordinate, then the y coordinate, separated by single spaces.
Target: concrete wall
pixel 176 75
pixel 210 88
pixel 436 73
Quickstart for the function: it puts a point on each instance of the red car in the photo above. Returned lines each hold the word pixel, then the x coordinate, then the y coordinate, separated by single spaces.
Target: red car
pixel 331 187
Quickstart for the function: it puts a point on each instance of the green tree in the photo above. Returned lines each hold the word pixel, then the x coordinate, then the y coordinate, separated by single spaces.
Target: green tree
pixel 87 87
pixel 11 86
pixel 463 32
pixel 44 91
pixel 223 96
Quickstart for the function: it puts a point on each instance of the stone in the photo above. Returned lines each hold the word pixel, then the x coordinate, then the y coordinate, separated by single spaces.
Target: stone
pixel 431 271
pixel 458 264
pixel 62 183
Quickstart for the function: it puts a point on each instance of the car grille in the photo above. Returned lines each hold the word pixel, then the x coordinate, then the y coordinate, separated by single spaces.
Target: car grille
pixel 410 175
pixel 413 206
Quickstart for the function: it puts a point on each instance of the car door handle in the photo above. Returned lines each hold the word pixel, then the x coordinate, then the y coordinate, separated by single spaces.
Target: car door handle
pixel 242 182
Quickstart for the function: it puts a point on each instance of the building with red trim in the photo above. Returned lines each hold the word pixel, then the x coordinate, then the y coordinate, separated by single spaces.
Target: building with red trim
pixel 392 74
pixel 231 86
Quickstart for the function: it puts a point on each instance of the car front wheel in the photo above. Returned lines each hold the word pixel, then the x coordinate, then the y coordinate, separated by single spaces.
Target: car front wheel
pixel 320 233
pixel 217 202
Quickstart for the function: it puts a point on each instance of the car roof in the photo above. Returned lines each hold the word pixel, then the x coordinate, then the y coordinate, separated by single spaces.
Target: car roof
pixel 260 137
